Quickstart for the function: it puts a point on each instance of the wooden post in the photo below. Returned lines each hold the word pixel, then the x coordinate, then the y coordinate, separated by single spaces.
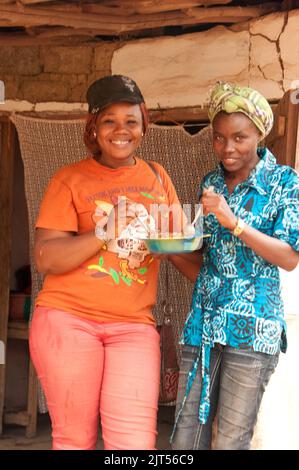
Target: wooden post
pixel 7 137
pixel 282 141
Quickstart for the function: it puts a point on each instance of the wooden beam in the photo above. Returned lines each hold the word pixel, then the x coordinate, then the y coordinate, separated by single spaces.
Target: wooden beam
pixel 158 6
pixel 145 7
pixel 180 115
pixel 128 6
pixel 64 37
pixel 7 139
pixel 33 2
pixel 289 5
pixel 282 140
pixel 18 330
pixel 59 31
pixel 230 14
pixel 17 417
pixel 94 8
pixel 115 25
pixel 131 7
pixel 32 402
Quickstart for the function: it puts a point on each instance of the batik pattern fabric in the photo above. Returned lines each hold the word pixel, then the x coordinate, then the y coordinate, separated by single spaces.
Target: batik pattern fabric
pixel 237 296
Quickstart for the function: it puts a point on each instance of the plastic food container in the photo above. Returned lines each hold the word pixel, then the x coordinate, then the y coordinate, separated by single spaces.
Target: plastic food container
pixel 173 245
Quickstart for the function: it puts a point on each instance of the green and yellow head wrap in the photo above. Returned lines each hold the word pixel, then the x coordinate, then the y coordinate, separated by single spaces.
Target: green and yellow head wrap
pixel 232 98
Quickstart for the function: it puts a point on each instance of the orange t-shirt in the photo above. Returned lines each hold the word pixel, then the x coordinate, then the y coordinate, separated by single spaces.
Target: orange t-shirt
pixel 119 283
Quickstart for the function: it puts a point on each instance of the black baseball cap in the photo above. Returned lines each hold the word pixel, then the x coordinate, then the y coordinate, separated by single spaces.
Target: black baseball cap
pixel 112 89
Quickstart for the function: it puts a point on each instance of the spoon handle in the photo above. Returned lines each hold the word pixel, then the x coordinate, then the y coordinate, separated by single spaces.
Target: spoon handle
pixel 199 211
pixel 210 188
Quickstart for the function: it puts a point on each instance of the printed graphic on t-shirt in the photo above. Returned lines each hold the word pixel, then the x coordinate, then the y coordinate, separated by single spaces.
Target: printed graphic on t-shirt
pixel 134 257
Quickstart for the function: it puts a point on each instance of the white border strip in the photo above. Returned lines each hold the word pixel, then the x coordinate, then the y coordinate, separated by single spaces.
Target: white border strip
pixel 53 106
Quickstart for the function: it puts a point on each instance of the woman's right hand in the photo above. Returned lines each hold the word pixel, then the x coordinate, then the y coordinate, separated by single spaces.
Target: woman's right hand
pixel 121 216
pixel 216 204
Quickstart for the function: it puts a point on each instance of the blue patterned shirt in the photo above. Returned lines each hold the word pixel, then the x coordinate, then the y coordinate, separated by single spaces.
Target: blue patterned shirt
pixel 236 299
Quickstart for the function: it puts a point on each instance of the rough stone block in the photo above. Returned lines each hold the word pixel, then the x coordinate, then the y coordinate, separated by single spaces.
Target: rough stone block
pixel 179 71
pixel 103 55
pixel 67 60
pixel 269 26
pixel 39 91
pixel 265 57
pixel 11 84
pixel 289 46
pixel 96 75
pixel 78 92
pixel 20 60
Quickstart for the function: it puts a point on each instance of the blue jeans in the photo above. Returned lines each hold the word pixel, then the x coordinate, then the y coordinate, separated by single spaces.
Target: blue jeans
pixel 238 381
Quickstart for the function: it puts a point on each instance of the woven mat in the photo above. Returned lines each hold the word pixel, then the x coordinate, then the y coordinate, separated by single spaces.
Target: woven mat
pixel 47 145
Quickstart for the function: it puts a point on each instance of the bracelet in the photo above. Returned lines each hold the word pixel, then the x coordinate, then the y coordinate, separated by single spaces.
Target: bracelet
pixel 239 227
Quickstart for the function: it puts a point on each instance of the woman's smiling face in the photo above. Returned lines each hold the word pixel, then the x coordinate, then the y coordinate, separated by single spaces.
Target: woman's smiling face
pixel 235 142
pixel 119 133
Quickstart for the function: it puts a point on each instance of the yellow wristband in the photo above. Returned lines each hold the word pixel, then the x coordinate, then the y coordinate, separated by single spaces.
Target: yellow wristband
pixel 239 227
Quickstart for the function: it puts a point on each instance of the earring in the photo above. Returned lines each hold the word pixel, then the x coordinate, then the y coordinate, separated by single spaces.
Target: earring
pixel 94 134
pixel 142 134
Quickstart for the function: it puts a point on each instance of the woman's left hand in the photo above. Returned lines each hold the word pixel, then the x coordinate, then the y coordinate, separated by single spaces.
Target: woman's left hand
pixel 216 204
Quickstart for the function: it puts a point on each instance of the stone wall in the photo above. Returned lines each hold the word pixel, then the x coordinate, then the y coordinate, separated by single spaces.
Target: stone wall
pixel 179 71
pixel 36 74
pixel 171 71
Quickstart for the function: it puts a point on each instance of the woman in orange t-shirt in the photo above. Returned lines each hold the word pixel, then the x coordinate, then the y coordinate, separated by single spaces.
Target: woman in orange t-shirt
pixel 93 339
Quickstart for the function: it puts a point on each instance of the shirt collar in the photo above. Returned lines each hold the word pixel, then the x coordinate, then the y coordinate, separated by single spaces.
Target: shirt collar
pixel 259 177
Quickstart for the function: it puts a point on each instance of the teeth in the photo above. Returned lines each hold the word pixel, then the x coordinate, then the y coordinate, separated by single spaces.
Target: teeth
pixel 120 142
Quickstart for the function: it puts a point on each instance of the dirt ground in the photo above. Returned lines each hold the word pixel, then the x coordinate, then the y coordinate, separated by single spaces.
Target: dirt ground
pixel 14 438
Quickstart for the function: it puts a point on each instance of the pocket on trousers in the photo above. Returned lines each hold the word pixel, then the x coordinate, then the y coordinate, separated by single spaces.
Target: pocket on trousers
pixel 249 366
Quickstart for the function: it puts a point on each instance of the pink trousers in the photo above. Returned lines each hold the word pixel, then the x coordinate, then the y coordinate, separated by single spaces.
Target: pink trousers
pixel 90 369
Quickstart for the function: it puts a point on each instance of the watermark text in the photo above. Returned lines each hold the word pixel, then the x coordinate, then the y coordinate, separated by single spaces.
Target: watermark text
pixel 2 92
pixel 294 95
pixel 2 352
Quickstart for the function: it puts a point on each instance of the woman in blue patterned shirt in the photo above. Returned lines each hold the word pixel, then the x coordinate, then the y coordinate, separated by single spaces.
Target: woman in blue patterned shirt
pixel 236 328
